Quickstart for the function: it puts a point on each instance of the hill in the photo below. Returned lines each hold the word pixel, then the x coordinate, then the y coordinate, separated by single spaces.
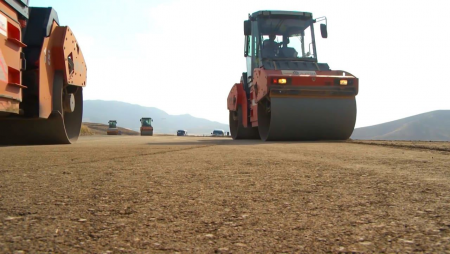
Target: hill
pixel 100 129
pixel 430 126
pixel 129 115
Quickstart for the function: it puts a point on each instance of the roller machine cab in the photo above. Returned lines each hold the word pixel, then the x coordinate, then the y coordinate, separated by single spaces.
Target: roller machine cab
pixel 146 126
pixel 182 133
pixel 112 128
pixel 286 94
pixel 42 76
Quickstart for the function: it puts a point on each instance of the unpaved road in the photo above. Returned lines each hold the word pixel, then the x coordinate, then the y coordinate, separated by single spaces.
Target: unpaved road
pixel 188 194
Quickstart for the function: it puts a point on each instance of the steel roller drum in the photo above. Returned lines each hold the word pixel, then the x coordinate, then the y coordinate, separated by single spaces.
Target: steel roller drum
pixel 60 128
pixel 146 133
pixel 307 119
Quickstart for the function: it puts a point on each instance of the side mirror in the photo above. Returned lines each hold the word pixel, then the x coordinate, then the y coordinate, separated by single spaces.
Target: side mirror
pixel 247 27
pixel 323 30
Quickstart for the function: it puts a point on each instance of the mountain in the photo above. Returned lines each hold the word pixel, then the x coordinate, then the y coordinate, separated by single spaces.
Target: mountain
pixel 128 116
pixel 431 126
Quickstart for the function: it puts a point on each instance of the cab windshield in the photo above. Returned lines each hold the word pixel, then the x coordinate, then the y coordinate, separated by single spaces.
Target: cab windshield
pixel 112 124
pixel 287 38
pixel 146 122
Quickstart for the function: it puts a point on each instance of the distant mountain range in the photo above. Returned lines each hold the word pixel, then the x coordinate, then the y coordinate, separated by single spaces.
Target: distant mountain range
pixel 431 126
pixel 128 116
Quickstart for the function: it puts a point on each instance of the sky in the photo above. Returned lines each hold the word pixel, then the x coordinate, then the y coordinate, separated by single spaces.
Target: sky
pixel 183 56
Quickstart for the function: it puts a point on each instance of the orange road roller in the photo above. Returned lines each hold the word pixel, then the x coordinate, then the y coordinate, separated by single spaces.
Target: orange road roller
pixel 146 126
pixel 42 76
pixel 112 128
pixel 286 94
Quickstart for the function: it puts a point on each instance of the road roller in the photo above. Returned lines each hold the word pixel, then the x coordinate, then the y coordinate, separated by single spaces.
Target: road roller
pixel 146 126
pixel 112 128
pixel 42 76
pixel 285 93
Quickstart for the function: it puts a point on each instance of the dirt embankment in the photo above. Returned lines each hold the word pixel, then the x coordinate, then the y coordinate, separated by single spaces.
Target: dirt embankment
pixel 88 129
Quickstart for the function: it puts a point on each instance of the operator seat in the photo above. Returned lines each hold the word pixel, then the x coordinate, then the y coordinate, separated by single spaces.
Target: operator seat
pixel 286 51
pixel 269 49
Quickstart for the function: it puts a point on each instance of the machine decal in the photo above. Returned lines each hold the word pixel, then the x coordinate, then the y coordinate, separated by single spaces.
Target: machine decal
pixel 48 57
pixel 3 25
pixel 3 69
pixel 78 67
pixel 298 73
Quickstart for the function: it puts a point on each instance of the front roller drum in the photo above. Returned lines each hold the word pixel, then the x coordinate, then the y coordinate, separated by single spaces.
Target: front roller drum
pixel 306 118
pixel 62 127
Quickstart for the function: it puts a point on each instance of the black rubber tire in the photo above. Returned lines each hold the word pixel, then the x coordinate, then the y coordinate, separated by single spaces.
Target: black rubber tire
pixel 237 129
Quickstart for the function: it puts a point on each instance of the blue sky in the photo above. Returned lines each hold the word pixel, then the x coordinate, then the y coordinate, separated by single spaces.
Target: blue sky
pixel 183 56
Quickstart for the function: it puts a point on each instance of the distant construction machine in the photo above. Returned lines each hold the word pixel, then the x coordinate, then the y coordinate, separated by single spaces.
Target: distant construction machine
pixel 146 126
pixel 182 133
pixel 112 128
pixel 286 94
pixel 42 76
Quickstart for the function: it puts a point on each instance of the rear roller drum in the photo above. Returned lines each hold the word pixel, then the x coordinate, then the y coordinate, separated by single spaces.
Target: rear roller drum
pixel 237 129
pixel 62 127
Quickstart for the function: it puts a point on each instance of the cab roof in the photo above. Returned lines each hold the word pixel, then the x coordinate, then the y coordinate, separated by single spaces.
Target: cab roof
pixel 21 6
pixel 281 13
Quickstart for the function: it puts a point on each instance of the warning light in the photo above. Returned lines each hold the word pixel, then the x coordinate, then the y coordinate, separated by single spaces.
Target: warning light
pixel 280 81
pixel 343 82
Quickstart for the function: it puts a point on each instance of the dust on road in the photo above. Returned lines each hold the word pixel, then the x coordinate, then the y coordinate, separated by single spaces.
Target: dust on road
pixel 192 194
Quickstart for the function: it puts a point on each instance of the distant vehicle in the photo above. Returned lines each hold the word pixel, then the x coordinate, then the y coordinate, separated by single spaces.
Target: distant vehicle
pixel 112 128
pixel 182 133
pixel 146 126
pixel 218 133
